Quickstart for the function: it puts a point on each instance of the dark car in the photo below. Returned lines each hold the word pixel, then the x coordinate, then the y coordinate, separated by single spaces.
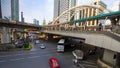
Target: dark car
pixel 19 43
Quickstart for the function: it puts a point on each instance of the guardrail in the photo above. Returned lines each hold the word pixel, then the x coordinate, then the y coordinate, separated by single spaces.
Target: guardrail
pixel 17 22
pixel 102 64
pixel 106 28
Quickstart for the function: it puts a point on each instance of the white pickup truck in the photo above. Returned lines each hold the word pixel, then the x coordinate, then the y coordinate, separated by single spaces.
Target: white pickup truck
pixel 78 54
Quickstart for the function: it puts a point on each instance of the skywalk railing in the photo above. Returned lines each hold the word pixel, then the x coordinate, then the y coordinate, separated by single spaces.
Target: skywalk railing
pixel 109 28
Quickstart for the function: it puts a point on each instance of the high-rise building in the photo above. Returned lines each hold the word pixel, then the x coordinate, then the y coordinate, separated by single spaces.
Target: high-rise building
pixel 88 12
pixel 6 9
pixel 62 5
pixel 15 9
pixel 10 9
pixel 35 21
pixel 22 18
pixel 0 10
pixel 44 22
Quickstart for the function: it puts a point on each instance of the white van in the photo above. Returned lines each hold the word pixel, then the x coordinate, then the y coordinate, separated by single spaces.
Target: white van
pixel 60 45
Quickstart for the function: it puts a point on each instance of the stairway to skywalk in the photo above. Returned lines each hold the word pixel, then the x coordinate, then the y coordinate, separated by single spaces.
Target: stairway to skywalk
pixel 103 39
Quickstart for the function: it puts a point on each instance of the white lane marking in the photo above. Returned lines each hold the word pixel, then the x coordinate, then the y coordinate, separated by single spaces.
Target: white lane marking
pixel 13 55
pixel 42 52
pixel 2 61
pixel 33 53
pixel 20 54
pixel 90 65
pixel 34 57
pixel 39 56
pixel 26 54
pixel 46 55
pixel 5 56
pixel 16 59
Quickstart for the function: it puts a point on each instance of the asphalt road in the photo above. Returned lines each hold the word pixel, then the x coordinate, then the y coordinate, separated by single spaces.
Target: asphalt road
pixel 38 58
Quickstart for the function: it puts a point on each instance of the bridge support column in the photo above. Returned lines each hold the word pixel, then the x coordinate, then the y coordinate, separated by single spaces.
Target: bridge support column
pixel 111 58
pixel 6 35
pixel 50 36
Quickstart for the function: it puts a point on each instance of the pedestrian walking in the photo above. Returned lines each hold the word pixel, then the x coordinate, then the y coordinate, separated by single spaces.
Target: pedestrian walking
pixel 100 27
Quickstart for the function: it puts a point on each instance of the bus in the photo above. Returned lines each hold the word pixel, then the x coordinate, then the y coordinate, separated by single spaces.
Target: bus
pixel 60 45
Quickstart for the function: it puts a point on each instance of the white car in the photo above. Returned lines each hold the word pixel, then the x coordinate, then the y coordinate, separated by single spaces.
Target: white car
pixel 78 54
pixel 42 46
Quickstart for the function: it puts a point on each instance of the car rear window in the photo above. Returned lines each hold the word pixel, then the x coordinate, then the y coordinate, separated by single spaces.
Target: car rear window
pixel 55 64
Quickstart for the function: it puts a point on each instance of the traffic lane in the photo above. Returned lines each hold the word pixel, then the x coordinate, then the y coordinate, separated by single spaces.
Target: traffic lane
pixel 37 61
pixel 16 60
pixel 50 47
pixel 26 54
pixel 41 53
pixel 50 44
pixel 30 62
pixel 65 61
pixel 88 63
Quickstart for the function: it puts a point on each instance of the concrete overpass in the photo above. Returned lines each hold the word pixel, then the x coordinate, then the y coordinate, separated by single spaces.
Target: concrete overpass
pixel 105 38
pixel 9 28
pixel 15 24
pixel 102 39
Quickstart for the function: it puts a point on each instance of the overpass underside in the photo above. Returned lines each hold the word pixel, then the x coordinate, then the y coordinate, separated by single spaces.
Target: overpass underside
pixel 103 39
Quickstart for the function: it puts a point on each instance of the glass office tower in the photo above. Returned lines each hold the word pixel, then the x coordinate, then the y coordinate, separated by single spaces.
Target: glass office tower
pixel 10 9
pixel 6 9
pixel 15 9
pixel 62 5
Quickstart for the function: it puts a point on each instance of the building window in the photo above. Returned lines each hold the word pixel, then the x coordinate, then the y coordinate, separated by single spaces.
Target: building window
pixel 114 57
pixel 88 23
pixel 93 22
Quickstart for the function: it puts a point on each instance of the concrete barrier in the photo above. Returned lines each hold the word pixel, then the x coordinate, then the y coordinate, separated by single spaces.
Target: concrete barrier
pixel 101 64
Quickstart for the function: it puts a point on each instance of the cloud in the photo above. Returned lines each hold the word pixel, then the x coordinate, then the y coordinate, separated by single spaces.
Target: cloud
pixel 116 5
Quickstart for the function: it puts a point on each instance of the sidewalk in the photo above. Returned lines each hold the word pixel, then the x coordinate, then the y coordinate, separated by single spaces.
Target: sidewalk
pixel 33 46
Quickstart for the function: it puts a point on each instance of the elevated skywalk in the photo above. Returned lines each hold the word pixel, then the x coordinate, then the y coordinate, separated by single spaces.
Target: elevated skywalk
pixel 102 39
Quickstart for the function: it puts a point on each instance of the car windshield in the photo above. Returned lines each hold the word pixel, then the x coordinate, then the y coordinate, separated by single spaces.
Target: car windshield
pixel 55 64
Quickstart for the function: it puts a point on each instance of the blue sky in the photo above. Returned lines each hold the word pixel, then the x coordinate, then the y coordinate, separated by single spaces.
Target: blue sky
pixel 43 9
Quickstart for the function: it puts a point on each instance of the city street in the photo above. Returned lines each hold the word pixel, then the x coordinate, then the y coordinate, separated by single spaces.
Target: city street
pixel 38 58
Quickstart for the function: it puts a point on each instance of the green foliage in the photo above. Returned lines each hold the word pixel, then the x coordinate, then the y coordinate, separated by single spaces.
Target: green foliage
pixel 27 46
pixel 10 46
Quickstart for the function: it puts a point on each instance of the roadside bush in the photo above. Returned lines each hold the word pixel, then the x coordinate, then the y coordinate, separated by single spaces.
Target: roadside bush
pixel 10 46
pixel 27 46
